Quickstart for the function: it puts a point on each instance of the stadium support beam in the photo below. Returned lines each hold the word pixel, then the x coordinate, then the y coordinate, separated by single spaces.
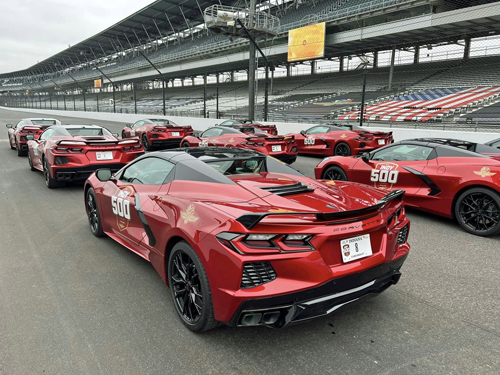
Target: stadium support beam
pixel 375 59
pixel 163 88
pixel 362 112
pixel 467 48
pixel 112 84
pixel 251 72
pixel 134 90
pixel 314 67
pixel 83 92
pixel 64 95
pixel 416 56
pixel 391 70
pixel 205 95
pixel 341 63
pixel 288 70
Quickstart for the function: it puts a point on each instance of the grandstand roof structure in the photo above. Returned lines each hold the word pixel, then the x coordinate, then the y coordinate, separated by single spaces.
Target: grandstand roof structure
pixel 161 19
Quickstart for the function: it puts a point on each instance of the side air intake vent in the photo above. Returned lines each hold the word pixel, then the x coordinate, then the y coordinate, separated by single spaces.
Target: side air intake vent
pixel 298 188
pixel 403 234
pixel 257 273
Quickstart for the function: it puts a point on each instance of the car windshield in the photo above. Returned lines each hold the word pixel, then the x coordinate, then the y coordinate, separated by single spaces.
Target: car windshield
pixel 87 131
pixel 230 167
pixel 43 122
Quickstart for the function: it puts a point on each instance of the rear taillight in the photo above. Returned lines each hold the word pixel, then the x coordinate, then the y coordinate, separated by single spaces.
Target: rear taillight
pixel 67 150
pixel 266 243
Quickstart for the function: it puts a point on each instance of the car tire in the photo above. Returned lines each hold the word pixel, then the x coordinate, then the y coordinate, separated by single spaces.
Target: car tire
pixel 477 210
pixel 124 135
pixel 49 181
pixel 10 143
pixel 145 143
pixel 342 149
pixel 30 162
pixel 185 144
pixel 335 173
pixel 19 151
pixel 196 315
pixel 93 213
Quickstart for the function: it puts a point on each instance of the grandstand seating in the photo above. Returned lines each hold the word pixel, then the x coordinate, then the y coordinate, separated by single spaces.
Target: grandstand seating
pixel 426 110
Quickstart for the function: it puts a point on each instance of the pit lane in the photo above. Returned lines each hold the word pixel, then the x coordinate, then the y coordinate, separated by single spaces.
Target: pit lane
pixel 71 303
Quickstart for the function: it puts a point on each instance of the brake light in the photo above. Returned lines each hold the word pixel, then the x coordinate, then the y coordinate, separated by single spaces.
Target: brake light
pixel 266 243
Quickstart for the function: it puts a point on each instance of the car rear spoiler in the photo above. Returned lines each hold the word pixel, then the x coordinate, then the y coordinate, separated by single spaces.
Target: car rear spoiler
pixel 172 127
pixel 252 219
pixel 257 137
pixel 365 132
pixel 98 142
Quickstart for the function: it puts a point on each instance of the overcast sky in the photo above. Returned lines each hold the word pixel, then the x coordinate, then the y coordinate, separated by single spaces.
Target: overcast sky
pixel 33 30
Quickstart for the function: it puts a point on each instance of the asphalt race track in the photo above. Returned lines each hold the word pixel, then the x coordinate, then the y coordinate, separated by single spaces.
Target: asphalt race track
pixel 71 303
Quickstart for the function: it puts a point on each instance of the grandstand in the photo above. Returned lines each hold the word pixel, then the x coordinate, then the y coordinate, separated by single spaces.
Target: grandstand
pixel 205 73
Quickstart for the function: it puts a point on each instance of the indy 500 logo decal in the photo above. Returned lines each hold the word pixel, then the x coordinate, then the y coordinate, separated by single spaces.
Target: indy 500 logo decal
pixel 384 175
pixel 120 204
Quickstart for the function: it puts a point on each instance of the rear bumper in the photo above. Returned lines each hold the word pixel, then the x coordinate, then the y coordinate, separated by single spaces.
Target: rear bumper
pixel 165 143
pixel 286 158
pixel 323 300
pixel 82 173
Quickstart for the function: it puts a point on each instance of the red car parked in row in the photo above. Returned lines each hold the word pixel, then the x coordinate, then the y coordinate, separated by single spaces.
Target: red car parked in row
pixel 34 126
pixel 444 177
pixel 157 133
pixel 329 140
pixel 279 147
pixel 269 129
pixel 73 152
pixel 243 239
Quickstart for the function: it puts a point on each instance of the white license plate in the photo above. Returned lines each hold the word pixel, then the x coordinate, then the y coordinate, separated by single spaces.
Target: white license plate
pixel 104 155
pixel 356 248
pixel 175 134
pixel 276 148
pixel 381 141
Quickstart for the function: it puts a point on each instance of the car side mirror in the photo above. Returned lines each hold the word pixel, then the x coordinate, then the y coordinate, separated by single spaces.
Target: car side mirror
pixel 103 174
pixel 9 126
pixel 303 132
pixel 128 125
pixel 365 157
pixel 30 137
pixel 216 124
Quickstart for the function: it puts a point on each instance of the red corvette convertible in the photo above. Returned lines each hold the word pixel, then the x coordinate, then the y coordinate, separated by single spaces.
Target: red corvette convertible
pixel 245 240
pixel 340 140
pixel 34 126
pixel 73 152
pixel 277 146
pixel 269 129
pixel 444 178
pixel 157 133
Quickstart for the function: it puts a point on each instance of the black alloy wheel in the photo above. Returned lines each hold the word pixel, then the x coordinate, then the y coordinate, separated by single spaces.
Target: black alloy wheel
pixel 10 143
pixel 19 151
pixel 93 213
pixel 32 168
pixel 342 149
pixel 145 143
pixel 477 210
pixel 49 181
pixel 334 172
pixel 124 135
pixel 185 144
pixel 190 289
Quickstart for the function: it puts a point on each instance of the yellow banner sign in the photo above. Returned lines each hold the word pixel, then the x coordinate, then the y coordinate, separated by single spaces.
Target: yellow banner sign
pixel 306 42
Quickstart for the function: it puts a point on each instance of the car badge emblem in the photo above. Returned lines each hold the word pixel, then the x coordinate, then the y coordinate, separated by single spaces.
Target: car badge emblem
pixel 231 140
pixel 330 183
pixel 188 215
pixel 484 172
pixel 343 136
pixel 347 250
